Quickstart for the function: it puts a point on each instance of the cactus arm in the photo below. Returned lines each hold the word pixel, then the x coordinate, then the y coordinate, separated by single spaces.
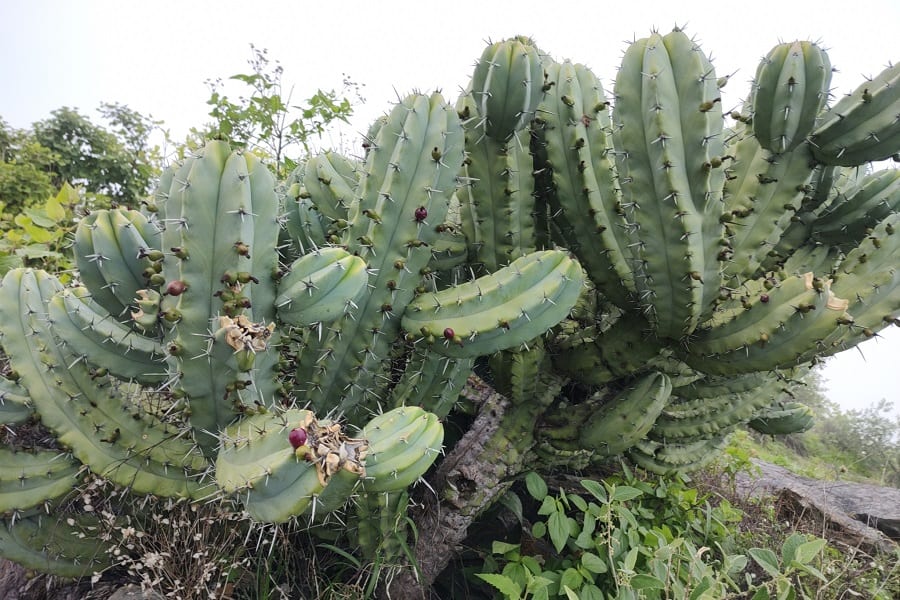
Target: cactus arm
pixel 783 419
pixel 15 405
pixel 28 479
pixel 498 311
pixel 659 130
pixel 772 333
pixel 790 88
pixel 276 482
pixel 411 164
pixel 320 287
pixel 51 545
pixel 863 126
pixel 89 419
pixel 403 444
pixel 760 208
pixel 432 381
pixel 573 148
pixel 89 331
pixel 872 199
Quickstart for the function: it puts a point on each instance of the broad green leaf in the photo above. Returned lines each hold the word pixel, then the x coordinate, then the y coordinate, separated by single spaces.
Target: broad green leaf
pixel 789 547
pixel 504 585
pixel 593 563
pixel 809 550
pixel 766 559
pixel 595 489
pixel 624 493
pixel 558 526
pixel 810 570
pixel 501 548
pixel 578 501
pixel 536 485
pixel 539 529
pixel 570 594
pixel 590 592
pixel 761 594
pixel 646 582
pixel 9 261
pixel 512 502
pixel 571 578
pixel 702 587
pixel 585 538
pixel 531 563
pixel 548 506
pixel 40 218
pixel 54 206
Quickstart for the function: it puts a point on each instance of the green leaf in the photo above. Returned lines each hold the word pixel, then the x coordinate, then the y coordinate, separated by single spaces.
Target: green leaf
pixel 539 529
pixel 531 563
pixel 590 592
pixel 513 503
pixel 548 506
pixel 809 569
pixel 570 594
pixel 595 489
pixel 39 218
pixel 702 587
pixel 646 582
pixel 558 526
pixel 571 578
pixel 593 563
pixel 54 206
pixel 624 493
pixel 761 594
pixel 578 501
pixel 809 550
pixel 789 547
pixel 504 585
pixel 766 559
pixel 502 548
pixel 9 261
pixel 535 485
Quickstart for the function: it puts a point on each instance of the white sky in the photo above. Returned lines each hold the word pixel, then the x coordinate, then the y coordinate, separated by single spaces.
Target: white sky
pixel 155 56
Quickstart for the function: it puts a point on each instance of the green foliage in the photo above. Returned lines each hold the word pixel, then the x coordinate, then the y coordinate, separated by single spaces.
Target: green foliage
pixel 266 120
pixel 119 163
pixel 39 236
pixel 627 539
pixel 24 169
pixel 620 538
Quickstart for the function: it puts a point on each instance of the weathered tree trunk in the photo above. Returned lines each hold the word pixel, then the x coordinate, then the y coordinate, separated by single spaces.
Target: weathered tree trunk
pixel 470 479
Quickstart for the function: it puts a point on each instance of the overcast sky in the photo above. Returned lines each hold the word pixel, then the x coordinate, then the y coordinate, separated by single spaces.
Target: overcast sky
pixel 155 56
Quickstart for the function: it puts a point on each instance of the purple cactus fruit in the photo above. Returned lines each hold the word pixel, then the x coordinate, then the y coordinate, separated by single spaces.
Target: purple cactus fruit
pixel 297 437
pixel 449 334
pixel 764 298
pixel 421 214
pixel 176 287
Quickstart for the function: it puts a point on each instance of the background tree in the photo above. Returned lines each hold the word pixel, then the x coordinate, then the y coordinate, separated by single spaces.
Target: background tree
pixel 119 163
pixel 25 169
pixel 265 119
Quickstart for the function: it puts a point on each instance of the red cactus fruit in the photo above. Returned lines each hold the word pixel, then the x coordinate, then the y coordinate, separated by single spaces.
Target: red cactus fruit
pixel 176 287
pixel 421 214
pixel 297 437
pixel 449 334
pixel 764 298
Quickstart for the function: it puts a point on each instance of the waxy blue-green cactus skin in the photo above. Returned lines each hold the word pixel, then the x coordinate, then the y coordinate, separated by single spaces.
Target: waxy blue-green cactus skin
pixel 783 419
pixel 863 125
pixel 667 131
pixel 616 259
pixel 789 90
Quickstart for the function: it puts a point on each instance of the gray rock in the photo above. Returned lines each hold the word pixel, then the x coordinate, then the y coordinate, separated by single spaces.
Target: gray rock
pixel 862 514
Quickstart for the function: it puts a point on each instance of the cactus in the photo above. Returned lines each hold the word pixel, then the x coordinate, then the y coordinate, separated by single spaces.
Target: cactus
pixel 619 259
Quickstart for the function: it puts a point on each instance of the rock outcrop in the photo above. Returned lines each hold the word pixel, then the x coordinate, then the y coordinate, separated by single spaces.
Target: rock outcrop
pixel 857 514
